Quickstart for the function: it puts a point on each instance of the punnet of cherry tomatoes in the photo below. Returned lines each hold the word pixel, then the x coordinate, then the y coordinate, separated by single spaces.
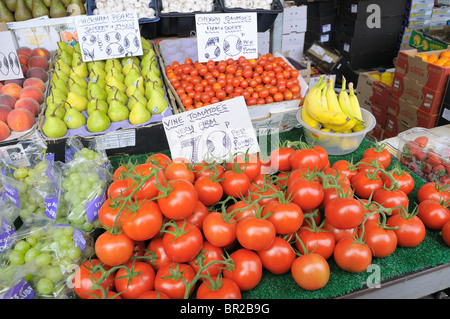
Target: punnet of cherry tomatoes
pixel 177 230
pixel 266 79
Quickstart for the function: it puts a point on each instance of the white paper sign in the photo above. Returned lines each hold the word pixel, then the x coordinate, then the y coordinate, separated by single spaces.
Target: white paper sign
pixel 226 35
pixel 9 62
pixel 109 36
pixel 216 131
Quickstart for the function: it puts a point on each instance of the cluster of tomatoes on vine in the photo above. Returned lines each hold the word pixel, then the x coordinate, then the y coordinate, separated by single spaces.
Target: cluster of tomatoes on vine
pixel 264 80
pixel 174 228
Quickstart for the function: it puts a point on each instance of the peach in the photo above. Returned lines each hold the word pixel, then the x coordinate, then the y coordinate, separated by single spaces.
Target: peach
pixel 8 100
pixel 37 72
pixel 5 131
pixel 24 51
pixel 32 92
pixel 24 69
pixel 12 89
pixel 38 61
pixel 23 59
pixel 20 120
pixel 37 82
pixel 29 104
pixel 41 52
pixel 4 111
pixel 17 81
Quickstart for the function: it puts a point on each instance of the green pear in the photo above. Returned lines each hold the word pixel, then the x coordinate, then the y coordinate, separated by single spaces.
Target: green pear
pixel 76 47
pixel 146 44
pixel 54 126
pixel 113 64
pixel 76 101
pixel 64 46
pixel 131 66
pixel 95 91
pixel 114 72
pixel 75 78
pixel 137 86
pixel 152 77
pixel 78 89
pixel 97 80
pixel 139 114
pixel 74 118
pixel 81 70
pixel 116 94
pixel 97 65
pixel 112 81
pixel 157 103
pixel 55 96
pixel 117 110
pixel 97 72
pixel 129 60
pixel 66 57
pixel 61 65
pixel 39 9
pixel 137 96
pixel 132 76
pixel 97 104
pixel 57 83
pixel 150 87
pixel 98 121
pixel 55 109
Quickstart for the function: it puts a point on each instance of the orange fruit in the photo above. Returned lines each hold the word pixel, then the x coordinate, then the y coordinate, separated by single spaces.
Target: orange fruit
pixel 445 54
pixel 423 56
pixel 441 61
pixel 432 58
pixel 447 64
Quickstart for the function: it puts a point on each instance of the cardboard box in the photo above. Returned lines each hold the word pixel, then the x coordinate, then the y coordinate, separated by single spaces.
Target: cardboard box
pixel 372 90
pixel 369 60
pixel 361 44
pixel 292 45
pixel 394 127
pixel 325 38
pixel 430 39
pixel 424 98
pixel 322 24
pixel 426 74
pixel 444 115
pixel 294 19
pixel 410 114
pixel 377 133
pixel 360 9
pixel 419 5
pixel 379 112
pixel 360 28
pixel 322 9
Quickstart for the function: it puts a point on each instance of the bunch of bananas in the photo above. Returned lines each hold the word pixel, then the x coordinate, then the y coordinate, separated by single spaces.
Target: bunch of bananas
pixel 328 111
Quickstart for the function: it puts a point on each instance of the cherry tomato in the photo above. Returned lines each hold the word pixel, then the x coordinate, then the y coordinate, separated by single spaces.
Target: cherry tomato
pixel 218 288
pixel 131 283
pixel 247 269
pixel 182 241
pixel 255 233
pixel 88 275
pixel 352 256
pixel 433 214
pixel 311 271
pixel 114 249
pixel 278 257
pixel 383 241
pixel 410 229
pixel 344 213
pixel 143 221
pixel 171 280
pixel 180 201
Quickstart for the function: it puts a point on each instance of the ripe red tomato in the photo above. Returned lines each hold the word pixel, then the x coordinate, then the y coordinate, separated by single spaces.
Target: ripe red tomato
pixel 179 170
pixel 306 158
pixel 218 288
pixel 179 200
pixel 247 269
pixel 352 256
pixel 182 241
pixel 445 233
pixel 249 164
pixel 317 240
pixel 433 214
pixel 432 190
pixel 118 189
pixel 379 153
pixel 337 233
pixel 307 194
pixel 286 217
pixel 219 231
pixel 208 254
pixel 278 257
pixel 159 159
pixel 391 199
pixel 211 170
pixel 280 159
pixel 209 191
pixel 198 216
pixel 143 221
pixel 403 178
pixel 410 229
pixel 155 250
pixel 346 167
pixel 88 274
pixel 344 213
pixel 311 271
pixel 114 249
pixel 323 154
pixel 134 279
pixel 364 184
pixel 255 233
pixel 109 213
pixel 235 184
pixel 383 241
pixel 171 279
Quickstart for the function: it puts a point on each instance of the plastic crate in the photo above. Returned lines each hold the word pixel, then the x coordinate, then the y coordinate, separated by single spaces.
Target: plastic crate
pixel 148 26
pixel 266 18
pixel 181 24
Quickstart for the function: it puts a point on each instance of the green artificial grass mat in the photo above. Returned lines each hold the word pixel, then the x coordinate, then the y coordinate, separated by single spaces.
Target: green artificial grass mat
pixel 430 253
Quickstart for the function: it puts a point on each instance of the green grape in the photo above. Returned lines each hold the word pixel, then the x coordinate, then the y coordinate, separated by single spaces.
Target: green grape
pixel 66 241
pixel 74 253
pixel 31 240
pixel 68 231
pixel 45 286
pixel 31 254
pixel 87 227
pixel 22 246
pixel 53 273
pixel 16 257
pixel 41 167
pixel 43 259
pixel 21 172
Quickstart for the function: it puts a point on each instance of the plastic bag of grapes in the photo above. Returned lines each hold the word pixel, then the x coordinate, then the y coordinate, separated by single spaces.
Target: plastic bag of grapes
pixel 31 179
pixel 8 216
pixel 85 176
pixel 46 255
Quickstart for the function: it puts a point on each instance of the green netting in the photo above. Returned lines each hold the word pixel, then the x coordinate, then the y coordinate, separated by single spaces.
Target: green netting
pixel 430 253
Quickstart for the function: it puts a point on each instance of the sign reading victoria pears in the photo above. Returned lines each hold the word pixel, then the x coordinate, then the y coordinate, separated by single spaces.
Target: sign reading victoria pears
pixel 216 131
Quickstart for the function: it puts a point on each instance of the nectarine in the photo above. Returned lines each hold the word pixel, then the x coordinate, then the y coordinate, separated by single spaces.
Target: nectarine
pixel 37 72
pixel 29 104
pixel 24 51
pixel 41 52
pixel 38 61
pixel 12 89
pixel 20 120
pixel 24 69
pixel 37 82
pixel 32 92
pixel 8 100
pixel 4 111
pixel 5 131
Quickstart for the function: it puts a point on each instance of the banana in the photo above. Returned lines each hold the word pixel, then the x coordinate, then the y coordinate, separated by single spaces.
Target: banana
pixel 326 129
pixel 316 109
pixel 323 97
pixel 344 100
pixel 359 126
pixel 333 103
pixel 341 128
pixel 354 103
pixel 308 119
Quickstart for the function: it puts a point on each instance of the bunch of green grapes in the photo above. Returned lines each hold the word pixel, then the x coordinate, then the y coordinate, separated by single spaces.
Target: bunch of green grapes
pixel 48 252
pixel 84 181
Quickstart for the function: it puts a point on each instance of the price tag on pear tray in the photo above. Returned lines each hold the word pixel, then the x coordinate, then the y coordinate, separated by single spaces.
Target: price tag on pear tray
pixel 226 35
pixel 108 36
pixel 214 132
pixel 10 68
